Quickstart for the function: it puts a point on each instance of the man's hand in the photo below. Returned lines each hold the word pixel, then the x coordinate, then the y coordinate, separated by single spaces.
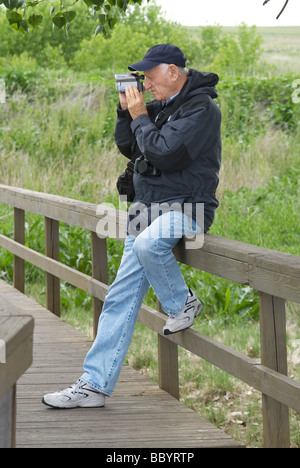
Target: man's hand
pixel 123 101
pixel 135 102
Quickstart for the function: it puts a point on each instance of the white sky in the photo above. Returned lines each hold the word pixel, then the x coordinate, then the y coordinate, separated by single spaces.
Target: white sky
pixel 231 12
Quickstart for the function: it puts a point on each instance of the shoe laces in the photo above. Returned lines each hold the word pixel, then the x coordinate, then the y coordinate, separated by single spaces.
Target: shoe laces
pixel 74 388
pixel 78 386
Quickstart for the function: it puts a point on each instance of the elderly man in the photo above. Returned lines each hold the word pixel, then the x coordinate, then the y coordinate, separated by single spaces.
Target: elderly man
pixel 174 147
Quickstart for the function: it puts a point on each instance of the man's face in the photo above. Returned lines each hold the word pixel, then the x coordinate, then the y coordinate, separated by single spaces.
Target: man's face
pixel 160 84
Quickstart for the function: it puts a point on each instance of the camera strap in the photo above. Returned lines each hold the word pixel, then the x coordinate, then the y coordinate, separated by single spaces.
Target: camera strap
pixel 166 112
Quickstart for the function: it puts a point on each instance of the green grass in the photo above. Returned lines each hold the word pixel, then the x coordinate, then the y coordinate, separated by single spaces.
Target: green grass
pixel 280 46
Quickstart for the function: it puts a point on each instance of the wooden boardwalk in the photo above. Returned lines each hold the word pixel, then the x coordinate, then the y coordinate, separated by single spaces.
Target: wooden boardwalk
pixel 138 415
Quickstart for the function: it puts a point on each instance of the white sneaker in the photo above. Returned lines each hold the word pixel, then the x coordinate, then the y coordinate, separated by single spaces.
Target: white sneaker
pixel 185 318
pixel 79 395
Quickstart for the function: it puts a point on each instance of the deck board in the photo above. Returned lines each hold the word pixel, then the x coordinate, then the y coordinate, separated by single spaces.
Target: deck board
pixel 138 415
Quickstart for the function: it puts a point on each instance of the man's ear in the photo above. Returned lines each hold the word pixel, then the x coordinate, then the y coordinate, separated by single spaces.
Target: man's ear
pixel 173 70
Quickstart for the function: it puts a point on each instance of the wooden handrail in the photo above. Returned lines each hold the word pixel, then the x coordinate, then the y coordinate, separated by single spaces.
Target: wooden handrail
pixel 17 334
pixel 263 269
pixel 275 275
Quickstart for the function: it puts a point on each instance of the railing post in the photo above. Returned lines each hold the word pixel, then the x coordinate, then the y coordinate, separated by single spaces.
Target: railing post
pixel 17 331
pixel 274 356
pixel 168 373
pixel 52 251
pixel 19 236
pixel 100 273
pixel 8 419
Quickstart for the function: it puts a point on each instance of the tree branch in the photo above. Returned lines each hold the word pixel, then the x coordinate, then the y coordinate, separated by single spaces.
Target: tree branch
pixel 287 1
pixel 284 6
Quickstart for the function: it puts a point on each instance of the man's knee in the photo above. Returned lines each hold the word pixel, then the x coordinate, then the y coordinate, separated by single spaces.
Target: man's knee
pixel 144 248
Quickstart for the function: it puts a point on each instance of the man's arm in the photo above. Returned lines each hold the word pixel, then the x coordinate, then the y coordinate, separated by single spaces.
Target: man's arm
pixel 124 137
pixel 131 106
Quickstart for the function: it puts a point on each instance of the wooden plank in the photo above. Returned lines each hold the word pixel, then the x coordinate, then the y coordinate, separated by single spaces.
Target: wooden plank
pixel 281 285
pixel 8 419
pixel 17 333
pixel 247 268
pixel 73 212
pixel 168 368
pixel 274 356
pixel 277 386
pixel 281 262
pixel 52 251
pixel 275 284
pixel 100 273
pixel 19 236
pixel 224 267
pixel 78 279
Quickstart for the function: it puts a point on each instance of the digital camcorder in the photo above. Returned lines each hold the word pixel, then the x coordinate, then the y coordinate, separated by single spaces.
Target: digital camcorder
pixel 126 79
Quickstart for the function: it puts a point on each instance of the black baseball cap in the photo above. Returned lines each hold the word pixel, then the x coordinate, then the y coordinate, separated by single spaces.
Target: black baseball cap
pixel 161 53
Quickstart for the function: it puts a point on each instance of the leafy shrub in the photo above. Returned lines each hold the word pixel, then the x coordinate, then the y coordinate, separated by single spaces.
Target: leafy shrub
pixel 38 42
pixel 240 54
pixel 131 39
pixel 267 216
pixel 231 54
pixel 251 105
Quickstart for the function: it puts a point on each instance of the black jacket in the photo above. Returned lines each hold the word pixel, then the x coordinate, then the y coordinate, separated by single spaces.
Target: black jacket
pixel 185 148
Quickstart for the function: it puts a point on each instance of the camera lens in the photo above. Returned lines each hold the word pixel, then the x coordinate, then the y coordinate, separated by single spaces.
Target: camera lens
pixel 143 167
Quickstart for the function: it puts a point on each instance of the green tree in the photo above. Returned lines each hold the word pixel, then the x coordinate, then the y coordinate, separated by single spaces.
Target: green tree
pixel 24 15
pixel 240 54
pixel 40 43
pixel 130 39
pixel 210 40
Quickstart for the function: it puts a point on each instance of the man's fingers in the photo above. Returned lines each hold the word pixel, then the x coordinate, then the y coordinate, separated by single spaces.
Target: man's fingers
pixel 132 92
pixel 135 100
pixel 129 90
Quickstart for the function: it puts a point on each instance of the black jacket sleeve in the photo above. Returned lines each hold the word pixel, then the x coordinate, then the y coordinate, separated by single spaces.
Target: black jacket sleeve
pixel 124 137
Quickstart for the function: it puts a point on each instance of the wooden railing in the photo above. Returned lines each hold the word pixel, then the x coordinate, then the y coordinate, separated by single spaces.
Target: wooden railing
pixel 17 336
pixel 275 275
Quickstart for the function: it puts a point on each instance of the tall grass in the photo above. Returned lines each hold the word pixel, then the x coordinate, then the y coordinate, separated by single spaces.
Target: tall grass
pixel 59 146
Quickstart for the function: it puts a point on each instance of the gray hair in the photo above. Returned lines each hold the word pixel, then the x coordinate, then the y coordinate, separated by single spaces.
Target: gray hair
pixel 181 70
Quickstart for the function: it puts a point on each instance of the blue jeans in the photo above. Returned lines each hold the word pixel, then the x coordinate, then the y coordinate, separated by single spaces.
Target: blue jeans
pixel 147 260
